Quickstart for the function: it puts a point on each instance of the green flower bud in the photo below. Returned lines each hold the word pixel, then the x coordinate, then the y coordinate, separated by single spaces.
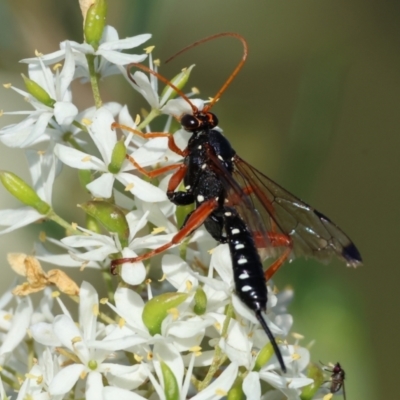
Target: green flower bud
pixel 23 192
pixel 263 356
pixel 156 309
pixel 182 211
pixel 85 177
pixel 94 22
pixel 179 81
pixel 236 391
pixel 117 158
pixel 38 92
pixel 171 388
pixel 316 373
pixel 110 216
pixel 92 224
pixel 200 301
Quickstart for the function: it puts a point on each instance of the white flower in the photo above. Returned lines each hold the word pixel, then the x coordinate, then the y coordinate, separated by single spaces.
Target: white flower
pixel 296 361
pixel 105 139
pixel 33 129
pixel 43 168
pixel 109 52
pixel 17 329
pixel 89 353
pixel 171 357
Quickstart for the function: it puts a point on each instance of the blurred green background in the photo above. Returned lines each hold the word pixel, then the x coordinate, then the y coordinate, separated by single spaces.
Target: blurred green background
pixel 316 107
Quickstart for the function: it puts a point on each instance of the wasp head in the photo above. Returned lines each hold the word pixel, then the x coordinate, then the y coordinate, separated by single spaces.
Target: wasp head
pixel 198 122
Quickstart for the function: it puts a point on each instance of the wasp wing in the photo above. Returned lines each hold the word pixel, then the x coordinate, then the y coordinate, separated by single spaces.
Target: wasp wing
pixel 236 196
pixel 312 233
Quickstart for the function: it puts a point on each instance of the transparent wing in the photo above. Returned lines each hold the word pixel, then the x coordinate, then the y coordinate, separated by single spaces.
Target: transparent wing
pixel 312 233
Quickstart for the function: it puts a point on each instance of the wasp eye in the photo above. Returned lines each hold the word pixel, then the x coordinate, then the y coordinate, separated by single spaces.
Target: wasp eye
pixel 212 120
pixel 189 122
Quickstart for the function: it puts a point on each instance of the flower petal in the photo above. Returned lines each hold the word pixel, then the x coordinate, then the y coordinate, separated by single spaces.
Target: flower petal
pixel 43 333
pixel 132 273
pixel 251 386
pixel 220 387
pixel 64 381
pixel 112 393
pixel 119 58
pixel 140 188
pixel 88 309
pixel 127 43
pixel 19 325
pixel 65 112
pixel 78 159
pixel 94 386
pixel 102 186
pixel 18 218
pixel 129 305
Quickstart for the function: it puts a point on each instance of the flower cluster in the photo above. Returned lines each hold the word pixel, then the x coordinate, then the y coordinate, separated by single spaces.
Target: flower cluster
pixel 185 335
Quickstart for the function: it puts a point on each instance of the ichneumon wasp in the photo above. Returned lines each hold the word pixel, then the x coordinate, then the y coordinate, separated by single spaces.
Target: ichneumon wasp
pixel 238 205
pixel 337 379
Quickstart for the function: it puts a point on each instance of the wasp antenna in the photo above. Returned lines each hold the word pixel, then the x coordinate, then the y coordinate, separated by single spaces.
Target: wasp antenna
pixel 271 339
pixel 162 79
pixel 232 75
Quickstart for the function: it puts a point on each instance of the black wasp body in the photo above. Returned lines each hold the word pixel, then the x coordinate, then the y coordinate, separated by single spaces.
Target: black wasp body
pixel 239 205
pixel 204 183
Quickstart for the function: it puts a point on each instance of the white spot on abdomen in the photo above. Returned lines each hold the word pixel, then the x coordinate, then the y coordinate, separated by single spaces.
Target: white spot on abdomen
pixel 244 275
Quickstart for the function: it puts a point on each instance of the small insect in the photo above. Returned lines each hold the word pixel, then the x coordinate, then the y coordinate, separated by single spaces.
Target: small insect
pixel 240 206
pixel 337 379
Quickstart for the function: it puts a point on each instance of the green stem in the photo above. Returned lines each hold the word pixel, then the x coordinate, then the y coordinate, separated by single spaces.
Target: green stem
pixel 219 357
pixel 94 81
pixel 69 138
pixel 80 126
pixel 183 248
pixel 60 221
pixel 109 283
pixel 31 353
pixel 10 382
pixel 153 114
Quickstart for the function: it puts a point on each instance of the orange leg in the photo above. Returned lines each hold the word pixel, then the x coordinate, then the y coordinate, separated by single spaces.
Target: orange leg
pixel 155 172
pixel 275 240
pixel 278 240
pixel 195 220
pixel 270 272
pixel 171 141
pixel 176 178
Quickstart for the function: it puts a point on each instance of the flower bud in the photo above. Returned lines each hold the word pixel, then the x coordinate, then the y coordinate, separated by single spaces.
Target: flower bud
pixel 171 388
pixel 92 224
pixel 117 158
pixel 316 373
pixel 156 309
pixel 38 92
pixel 182 212
pixel 23 192
pixel 263 356
pixel 110 216
pixel 94 23
pixel 200 301
pixel 236 391
pixel 179 81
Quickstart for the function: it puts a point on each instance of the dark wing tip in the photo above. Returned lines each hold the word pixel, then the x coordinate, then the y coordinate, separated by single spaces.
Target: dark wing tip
pixel 352 255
